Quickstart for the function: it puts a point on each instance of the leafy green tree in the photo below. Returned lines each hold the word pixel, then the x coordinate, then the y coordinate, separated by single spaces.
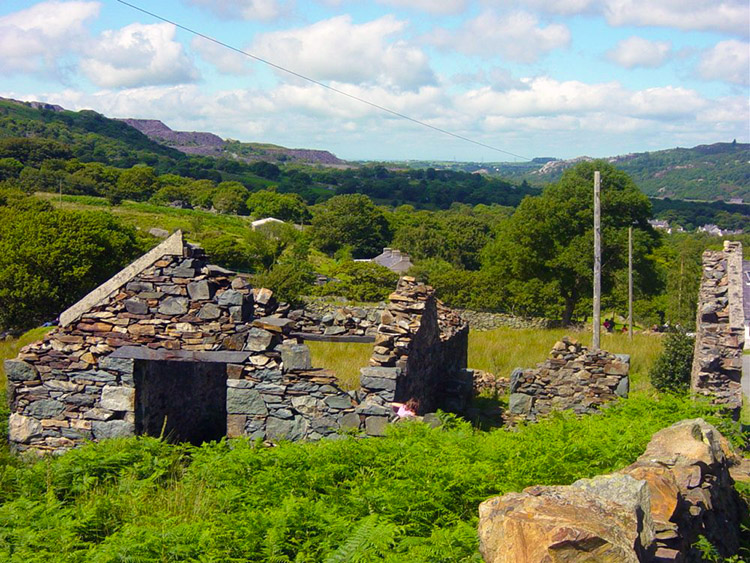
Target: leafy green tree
pixel 287 207
pixel 230 197
pixel 10 168
pixel 136 183
pixel 352 220
pixel 288 280
pixel 49 259
pixel 361 281
pixel 548 242
pixel 202 193
pixel 671 370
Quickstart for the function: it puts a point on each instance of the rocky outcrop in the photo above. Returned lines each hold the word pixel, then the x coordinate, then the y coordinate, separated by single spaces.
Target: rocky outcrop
pixel 573 377
pixel 720 338
pixel 653 510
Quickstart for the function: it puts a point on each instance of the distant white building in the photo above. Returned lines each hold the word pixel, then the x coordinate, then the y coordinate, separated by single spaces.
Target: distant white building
pixel 394 260
pixel 660 224
pixel 265 221
pixel 711 229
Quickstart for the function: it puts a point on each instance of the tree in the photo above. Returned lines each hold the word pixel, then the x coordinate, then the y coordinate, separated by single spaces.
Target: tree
pixel 549 238
pixel 230 197
pixel 671 370
pixel 287 207
pixel 49 259
pixel 136 183
pixel 352 220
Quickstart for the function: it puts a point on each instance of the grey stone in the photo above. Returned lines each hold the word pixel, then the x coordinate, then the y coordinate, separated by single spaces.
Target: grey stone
pixel 200 290
pixel 185 269
pixel 258 340
pixel 158 233
pixel 173 306
pixel 327 319
pixel 138 286
pixel 245 401
pixel 431 419
pixel 80 399
pixel 270 388
pixel 120 365
pixel 324 424
pixel 295 357
pixel 209 312
pixel 112 429
pixel 381 372
pixel 136 307
pixel 376 425
pixel 334 330
pixel 338 401
pixel 350 421
pixel 45 408
pixel 515 377
pixel 241 384
pixel 23 428
pixel 18 370
pixel 289 429
pixel 370 407
pixel 98 414
pixel 377 383
pixel 268 375
pixel 74 434
pixel 308 405
pixel 623 388
pixel 282 413
pixel 97 376
pixel 118 398
pixel 303 387
pixel 230 297
pixel 520 403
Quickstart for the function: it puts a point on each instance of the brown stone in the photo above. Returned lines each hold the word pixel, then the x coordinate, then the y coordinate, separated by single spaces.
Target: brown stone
pixel 94 327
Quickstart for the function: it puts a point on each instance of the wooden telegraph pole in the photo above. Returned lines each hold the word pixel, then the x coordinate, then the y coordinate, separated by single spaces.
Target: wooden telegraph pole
pixel 597 260
pixel 630 282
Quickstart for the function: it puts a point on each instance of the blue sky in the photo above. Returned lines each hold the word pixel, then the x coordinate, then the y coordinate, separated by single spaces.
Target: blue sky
pixel 561 78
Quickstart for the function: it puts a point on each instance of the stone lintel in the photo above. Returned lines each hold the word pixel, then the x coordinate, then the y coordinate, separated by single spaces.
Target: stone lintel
pixel 163 355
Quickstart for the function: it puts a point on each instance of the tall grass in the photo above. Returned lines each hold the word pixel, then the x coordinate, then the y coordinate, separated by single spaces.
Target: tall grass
pixel 501 350
pixel 342 358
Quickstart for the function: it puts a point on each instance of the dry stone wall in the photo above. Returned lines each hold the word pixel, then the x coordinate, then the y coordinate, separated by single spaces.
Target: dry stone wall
pixel 573 377
pixel 652 511
pixel 167 344
pixel 720 338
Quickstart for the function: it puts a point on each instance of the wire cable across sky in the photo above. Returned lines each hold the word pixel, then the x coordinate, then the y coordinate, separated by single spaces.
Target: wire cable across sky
pixel 318 83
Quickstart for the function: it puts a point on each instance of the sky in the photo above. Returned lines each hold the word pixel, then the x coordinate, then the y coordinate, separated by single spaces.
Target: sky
pixel 535 78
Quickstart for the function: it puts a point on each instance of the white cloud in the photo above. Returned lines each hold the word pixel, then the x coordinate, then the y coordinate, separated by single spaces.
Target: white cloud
pixel 639 52
pixel 225 60
pixel 34 39
pixel 516 36
pixel 138 55
pixel 260 10
pixel 339 50
pixel 437 7
pixel 728 61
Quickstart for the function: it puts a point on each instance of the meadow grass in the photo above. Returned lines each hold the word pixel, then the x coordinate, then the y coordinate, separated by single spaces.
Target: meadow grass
pixel 502 350
pixel 9 348
pixel 342 358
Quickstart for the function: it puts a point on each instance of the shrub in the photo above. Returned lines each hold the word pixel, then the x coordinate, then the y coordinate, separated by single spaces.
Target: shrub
pixel 671 370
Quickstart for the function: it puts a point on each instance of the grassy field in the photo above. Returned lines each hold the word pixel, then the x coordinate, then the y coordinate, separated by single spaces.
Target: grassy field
pixel 500 351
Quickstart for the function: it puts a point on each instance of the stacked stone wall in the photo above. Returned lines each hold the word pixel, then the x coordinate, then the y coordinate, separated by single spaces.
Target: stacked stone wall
pixel 80 382
pixel 573 377
pixel 652 511
pixel 720 338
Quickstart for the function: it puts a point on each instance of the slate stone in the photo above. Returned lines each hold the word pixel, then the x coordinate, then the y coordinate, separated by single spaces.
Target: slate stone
pixel 136 307
pixel 286 429
pixel 283 413
pixel 372 408
pixel 241 383
pixel 295 357
pixel 98 414
pixel 230 297
pixel 381 372
pixel 520 403
pixel 338 402
pixel 515 378
pixel 334 330
pixel 245 401
pixel 376 425
pixel 273 375
pixel 18 370
pixel 623 388
pixel 95 375
pixel 200 290
pixel 349 421
pixel 173 306
pixel 209 312
pixel 118 398
pixel 45 408
pixel 377 383
pixel 112 429
pixel 23 428
pixel 80 399
pixel 138 286
pixel 270 388
pixel 258 340
pixel 120 365
pixel 324 424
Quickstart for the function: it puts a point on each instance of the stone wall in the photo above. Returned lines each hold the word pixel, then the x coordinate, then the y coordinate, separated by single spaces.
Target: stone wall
pixel 209 338
pixel 653 511
pixel 481 320
pixel 573 377
pixel 720 338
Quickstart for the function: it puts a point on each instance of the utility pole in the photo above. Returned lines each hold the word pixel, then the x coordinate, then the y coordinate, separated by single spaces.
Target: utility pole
pixel 630 282
pixel 597 260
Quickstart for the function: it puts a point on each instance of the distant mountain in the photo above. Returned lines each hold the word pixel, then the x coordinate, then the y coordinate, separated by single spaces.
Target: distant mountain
pixel 208 144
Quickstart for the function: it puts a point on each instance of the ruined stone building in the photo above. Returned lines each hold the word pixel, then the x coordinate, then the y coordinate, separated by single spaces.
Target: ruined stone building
pixel 177 347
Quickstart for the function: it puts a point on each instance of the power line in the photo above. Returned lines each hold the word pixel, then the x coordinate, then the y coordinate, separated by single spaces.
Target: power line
pixel 318 83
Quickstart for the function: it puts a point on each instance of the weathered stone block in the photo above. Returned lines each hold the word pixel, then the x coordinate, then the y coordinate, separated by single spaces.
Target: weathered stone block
pixel 209 312
pixel 200 290
pixel 118 398
pixel 112 429
pixel 173 306
pixel 295 357
pixel 120 365
pixel 45 408
pixel 377 383
pixel 236 425
pixel 289 429
pixel 258 340
pixel 349 421
pixel 18 370
pixel 338 402
pixel 520 403
pixel 245 401
pixel 230 297
pixel 623 388
pixel 22 429
pixel 376 425
pixel 96 376
pixel 136 307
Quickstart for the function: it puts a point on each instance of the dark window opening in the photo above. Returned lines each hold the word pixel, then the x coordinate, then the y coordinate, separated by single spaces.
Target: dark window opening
pixel 182 401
